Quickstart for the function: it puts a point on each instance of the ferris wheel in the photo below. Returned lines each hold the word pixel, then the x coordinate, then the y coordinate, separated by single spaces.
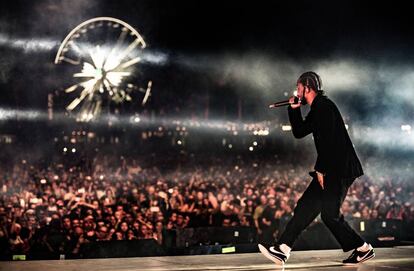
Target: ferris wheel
pixel 104 54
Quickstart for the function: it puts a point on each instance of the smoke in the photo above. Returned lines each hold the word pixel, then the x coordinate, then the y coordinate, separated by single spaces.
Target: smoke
pixel 255 72
pixel 390 137
pixel 137 120
pixel 29 45
pixel 346 74
pixel 154 57
pixel 263 73
pixel 39 45
pixel 266 74
pixel 21 115
pixel 383 91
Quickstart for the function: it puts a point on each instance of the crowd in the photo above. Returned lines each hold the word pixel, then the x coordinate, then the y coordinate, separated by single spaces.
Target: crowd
pixel 58 208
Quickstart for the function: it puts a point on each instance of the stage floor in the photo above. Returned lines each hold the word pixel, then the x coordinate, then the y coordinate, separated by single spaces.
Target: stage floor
pixel 397 258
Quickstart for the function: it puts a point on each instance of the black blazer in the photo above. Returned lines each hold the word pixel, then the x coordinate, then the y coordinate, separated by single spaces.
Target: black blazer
pixel 336 154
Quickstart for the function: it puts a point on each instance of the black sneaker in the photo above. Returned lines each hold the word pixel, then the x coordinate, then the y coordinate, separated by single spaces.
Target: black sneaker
pixel 274 254
pixel 359 256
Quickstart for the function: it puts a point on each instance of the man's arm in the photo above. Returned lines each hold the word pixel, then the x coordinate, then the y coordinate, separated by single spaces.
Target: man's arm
pixel 300 127
pixel 325 127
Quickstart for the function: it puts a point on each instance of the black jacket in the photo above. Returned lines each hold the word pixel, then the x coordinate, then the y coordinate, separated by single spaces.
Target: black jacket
pixel 336 154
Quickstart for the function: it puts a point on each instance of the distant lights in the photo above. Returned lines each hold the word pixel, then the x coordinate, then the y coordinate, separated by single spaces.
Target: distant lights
pixel 179 142
pixel 65 149
pixel 406 128
pixel 286 128
pixel 230 146
pixel 255 143
pixel 73 150
pixel 251 148
pixel 261 132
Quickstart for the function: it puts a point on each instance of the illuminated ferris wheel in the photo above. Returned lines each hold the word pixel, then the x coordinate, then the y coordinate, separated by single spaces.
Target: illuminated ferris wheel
pixel 103 53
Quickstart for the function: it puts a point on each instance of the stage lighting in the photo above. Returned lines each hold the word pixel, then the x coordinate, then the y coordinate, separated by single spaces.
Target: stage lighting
pixel 362 226
pixel 406 128
pixel 286 128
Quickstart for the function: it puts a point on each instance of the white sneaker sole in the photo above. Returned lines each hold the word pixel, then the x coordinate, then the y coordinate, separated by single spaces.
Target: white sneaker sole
pixel 274 259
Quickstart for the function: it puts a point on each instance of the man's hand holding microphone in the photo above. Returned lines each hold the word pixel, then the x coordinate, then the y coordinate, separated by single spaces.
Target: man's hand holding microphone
pixel 294 102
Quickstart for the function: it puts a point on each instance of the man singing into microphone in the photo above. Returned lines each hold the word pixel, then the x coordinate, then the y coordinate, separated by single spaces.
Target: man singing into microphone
pixel 336 168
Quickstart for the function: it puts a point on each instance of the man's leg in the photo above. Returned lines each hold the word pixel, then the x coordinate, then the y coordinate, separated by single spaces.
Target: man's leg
pixel 332 197
pixel 307 208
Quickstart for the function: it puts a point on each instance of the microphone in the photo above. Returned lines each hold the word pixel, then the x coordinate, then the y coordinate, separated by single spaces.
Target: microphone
pixel 283 103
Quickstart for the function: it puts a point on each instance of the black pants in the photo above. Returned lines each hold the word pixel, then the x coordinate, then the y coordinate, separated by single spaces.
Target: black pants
pixel 326 201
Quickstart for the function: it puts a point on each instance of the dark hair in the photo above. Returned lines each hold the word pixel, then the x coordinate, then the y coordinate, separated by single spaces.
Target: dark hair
pixel 312 80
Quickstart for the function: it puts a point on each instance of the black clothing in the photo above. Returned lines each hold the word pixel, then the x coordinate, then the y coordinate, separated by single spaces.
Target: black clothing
pixel 336 155
pixel 327 202
pixel 339 163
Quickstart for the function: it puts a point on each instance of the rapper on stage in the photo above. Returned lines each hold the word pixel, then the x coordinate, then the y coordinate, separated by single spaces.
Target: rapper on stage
pixel 336 168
